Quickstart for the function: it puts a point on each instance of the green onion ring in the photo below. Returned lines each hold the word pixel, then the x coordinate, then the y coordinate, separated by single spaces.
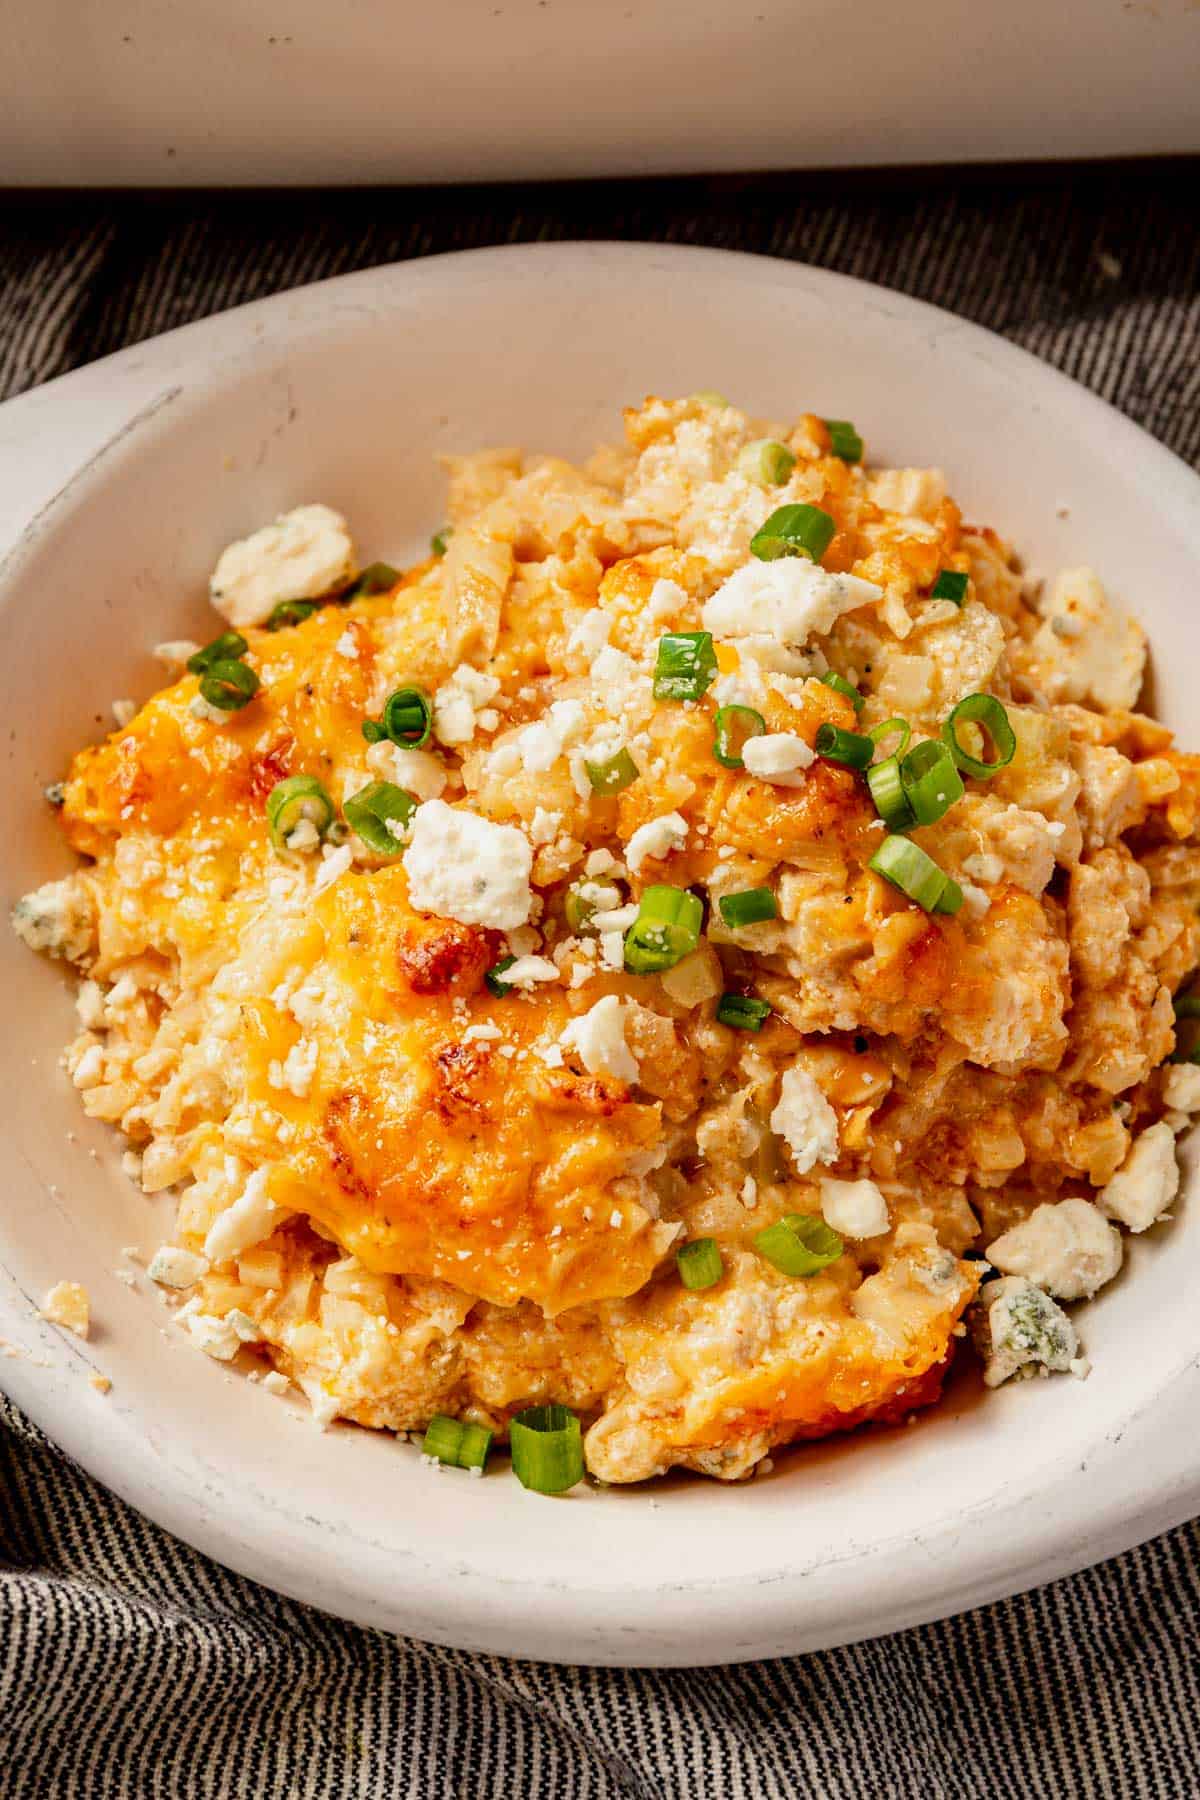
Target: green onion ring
pixel 844 440
pixel 700 1263
pixel 732 729
pixel 840 685
pixel 887 791
pixel 291 801
pixel 229 685
pixel 918 877
pixel 766 462
pixel 951 898
pixel 290 612
pixel 686 665
pixel 878 733
pixel 932 784
pixel 666 930
pixel 495 977
pixel 748 907
pixel 743 1012
pixel 376 578
pixel 848 747
pixel 799 1244
pixel 577 909
pixel 457 1442
pixel 797 530
pixel 950 585
pixel 547 1449
pixel 373 810
pixel 407 719
pixel 227 648
pixel 985 710
pixel 1187 1006
pixel 614 775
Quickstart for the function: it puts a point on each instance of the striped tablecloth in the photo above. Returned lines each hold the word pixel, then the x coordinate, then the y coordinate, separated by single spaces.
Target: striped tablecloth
pixel 130 1666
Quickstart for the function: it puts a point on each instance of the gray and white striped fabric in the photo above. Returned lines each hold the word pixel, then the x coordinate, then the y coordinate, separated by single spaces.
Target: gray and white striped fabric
pixel 129 1665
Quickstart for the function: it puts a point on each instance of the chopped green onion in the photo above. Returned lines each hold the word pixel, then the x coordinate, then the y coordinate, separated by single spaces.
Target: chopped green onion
pixel 844 441
pixel 686 665
pixel 708 397
pixel 932 784
pixel 799 1244
pixel 907 867
pixel 666 930
pixel 576 910
pixel 950 585
pixel 1187 1006
pixel 457 1443
pixel 440 539
pixel 732 727
pixel 290 612
pixel 840 685
pixel 407 719
pixel 376 578
pixel 586 898
pixel 742 1012
pixel 794 531
pixel 878 733
pixel 229 685
pixel 292 801
pixel 374 809
pixel 767 462
pixel 887 791
pixel 699 1263
pixel 615 775
pixel 494 977
pixel 547 1449
pixel 950 899
pixel 226 648
pixel 749 907
pixel 984 710
pixel 839 746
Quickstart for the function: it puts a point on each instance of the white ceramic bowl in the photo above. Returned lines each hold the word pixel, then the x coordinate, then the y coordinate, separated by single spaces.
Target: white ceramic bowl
pixel 121 483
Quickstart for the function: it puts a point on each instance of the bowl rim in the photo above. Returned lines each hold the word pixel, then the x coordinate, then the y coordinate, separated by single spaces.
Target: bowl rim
pixel 1144 1478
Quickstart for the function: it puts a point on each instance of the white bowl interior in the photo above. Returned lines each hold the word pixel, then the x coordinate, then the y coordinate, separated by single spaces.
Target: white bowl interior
pixel 345 393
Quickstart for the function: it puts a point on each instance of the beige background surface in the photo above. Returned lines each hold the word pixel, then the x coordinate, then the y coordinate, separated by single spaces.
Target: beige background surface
pixel 166 92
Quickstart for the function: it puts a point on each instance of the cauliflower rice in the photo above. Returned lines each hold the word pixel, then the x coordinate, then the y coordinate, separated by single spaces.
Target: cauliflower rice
pixel 603 1069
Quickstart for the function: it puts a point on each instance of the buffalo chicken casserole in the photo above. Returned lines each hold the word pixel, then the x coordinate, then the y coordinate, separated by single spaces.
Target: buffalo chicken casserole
pixel 650 981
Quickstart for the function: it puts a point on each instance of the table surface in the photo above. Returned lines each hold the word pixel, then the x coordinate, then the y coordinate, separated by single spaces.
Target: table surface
pixel 130 1665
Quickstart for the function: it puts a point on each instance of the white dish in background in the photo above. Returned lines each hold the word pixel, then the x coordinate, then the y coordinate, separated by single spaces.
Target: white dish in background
pixel 197 92
pixel 122 482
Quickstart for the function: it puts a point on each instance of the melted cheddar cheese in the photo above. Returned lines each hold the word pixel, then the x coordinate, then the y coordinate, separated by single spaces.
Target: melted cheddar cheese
pixel 414 1194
